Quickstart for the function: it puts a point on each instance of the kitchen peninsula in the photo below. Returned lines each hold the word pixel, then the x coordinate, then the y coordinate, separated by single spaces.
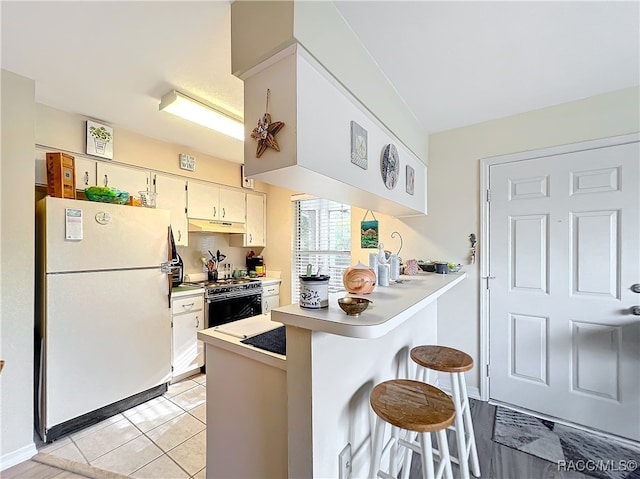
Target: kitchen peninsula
pixel 271 416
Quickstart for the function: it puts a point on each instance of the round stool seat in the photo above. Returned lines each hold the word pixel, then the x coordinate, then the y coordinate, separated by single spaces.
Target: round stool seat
pixel 442 358
pixel 412 405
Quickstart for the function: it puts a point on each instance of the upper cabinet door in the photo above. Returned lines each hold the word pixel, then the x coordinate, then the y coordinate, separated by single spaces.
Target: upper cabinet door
pixel 132 180
pixel 255 235
pixel 172 196
pixel 85 173
pixel 203 201
pixel 232 207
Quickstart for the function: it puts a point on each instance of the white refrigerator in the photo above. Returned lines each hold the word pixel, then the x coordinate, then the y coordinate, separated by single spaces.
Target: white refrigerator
pixel 103 326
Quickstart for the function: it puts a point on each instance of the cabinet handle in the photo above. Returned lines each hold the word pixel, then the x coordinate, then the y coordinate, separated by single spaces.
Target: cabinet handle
pixel 224 212
pixel 106 180
pixel 197 321
pixel 179 235
pixel 214 211
pixel 86 178
pixel 185 306
pixel 250 238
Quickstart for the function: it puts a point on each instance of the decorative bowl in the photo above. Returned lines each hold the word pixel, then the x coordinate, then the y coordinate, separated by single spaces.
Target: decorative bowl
pixel 359 279
pixel 106 195
pixel 428 266
pixel 353 306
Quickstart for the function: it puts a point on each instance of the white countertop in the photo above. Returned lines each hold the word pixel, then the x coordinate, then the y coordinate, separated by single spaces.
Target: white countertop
pixel 267 280
pixel 186 290
pixel 229 336
pixel 390 307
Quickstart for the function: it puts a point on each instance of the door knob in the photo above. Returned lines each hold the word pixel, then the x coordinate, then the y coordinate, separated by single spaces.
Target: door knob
pixel 635 310
pixel 635 288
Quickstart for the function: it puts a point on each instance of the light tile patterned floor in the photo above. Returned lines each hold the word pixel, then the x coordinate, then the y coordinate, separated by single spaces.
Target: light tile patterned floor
pixel 161 439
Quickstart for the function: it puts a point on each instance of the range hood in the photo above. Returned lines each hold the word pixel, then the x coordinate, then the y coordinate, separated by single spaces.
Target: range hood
pixel 209 226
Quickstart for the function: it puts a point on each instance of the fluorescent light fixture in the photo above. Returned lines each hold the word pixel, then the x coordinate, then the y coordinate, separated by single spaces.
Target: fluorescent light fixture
pixel 181 105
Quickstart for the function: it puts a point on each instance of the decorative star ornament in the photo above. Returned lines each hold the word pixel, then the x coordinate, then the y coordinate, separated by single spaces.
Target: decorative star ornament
pixel 266 131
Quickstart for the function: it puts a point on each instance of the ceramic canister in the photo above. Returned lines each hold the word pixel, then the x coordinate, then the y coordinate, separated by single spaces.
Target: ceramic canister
pixel 314 292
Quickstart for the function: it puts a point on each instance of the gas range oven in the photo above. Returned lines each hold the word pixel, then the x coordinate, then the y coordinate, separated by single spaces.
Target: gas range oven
pixel 231 299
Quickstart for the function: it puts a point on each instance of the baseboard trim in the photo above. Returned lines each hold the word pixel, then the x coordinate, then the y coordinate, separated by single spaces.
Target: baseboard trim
pixel 19 455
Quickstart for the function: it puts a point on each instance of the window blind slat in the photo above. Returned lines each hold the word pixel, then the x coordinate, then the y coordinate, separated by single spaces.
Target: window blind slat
pixel 322 239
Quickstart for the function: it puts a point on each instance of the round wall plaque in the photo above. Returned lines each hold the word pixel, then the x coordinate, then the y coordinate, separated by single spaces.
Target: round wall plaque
pixel 390 166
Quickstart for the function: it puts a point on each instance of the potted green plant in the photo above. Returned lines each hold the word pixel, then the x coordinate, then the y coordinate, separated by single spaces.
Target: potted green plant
pixel 101 137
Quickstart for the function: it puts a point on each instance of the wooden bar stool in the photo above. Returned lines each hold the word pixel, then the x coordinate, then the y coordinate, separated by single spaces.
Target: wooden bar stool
pixel 456 363
pixel 415 407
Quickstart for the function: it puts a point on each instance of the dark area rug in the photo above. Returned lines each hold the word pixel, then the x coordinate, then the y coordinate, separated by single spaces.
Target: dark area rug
pixel 572 449
pixel 274 341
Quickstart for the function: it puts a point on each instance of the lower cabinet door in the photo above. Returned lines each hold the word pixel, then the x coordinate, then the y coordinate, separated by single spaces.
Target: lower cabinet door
pixel 187 354
pixel 270 302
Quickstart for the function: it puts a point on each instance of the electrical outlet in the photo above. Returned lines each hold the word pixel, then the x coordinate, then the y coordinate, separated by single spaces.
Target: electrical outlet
pixel 344 462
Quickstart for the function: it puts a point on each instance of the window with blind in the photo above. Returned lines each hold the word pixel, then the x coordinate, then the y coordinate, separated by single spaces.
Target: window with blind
pixel 322 238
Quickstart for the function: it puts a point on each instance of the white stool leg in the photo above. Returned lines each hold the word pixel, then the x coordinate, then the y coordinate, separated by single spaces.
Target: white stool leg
pixel 471 438
pixel 426 454
pixel 445 458
pixel 459 424
pixel 376 448
pixel 393 455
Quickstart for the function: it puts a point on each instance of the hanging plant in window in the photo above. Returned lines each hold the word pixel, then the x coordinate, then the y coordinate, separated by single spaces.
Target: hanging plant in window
pixel 266 131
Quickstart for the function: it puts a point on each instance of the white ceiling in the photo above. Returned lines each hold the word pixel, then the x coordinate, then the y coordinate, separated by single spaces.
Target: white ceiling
pixel 454 63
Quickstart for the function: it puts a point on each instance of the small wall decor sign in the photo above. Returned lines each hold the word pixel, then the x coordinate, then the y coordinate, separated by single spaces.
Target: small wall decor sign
pixel 187 162
pixel 99 140
pixel 411 179
pixel 369 231
pixel 359 146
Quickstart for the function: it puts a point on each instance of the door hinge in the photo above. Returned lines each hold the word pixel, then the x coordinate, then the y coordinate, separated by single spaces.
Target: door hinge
pixel 488 370
pixel 488 196
pixel 488 278
pixel 172 368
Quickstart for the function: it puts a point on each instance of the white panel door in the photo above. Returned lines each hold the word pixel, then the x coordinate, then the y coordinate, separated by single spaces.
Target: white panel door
pixel 564 251
pixel 107 337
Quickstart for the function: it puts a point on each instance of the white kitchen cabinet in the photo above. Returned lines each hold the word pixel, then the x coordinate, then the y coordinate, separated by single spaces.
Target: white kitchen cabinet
pixel 210 202
pixel 232 205
pixel 187 354
pixel 123 178
pixel 172 196
pixel 203 200
pixel 255 222
pixel 85 169
pixel 270 294
pixel 85 173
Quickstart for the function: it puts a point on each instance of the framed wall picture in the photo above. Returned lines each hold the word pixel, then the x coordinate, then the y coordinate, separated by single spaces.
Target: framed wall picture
pixel 359 146
pixel 246 182
pixel 99 140
pixel 411 179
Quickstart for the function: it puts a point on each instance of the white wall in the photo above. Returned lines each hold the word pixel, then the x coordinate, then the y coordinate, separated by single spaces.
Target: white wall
pixel 17 272
pixel 453 194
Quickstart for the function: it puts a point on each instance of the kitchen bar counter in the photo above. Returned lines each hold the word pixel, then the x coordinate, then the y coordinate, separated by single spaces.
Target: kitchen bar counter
pixel 390 307
pixel 293 416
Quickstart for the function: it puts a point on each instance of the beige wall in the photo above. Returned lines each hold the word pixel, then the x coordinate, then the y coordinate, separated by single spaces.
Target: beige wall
pixel 17 273
pixel 453 194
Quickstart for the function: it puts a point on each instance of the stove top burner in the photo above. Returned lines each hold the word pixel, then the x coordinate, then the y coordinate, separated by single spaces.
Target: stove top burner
pixel 226 285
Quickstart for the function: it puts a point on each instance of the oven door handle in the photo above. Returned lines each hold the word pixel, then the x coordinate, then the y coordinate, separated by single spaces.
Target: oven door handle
pixel 224 296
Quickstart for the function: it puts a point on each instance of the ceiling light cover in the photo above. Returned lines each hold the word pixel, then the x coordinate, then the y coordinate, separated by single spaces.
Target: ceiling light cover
pixel 181 105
